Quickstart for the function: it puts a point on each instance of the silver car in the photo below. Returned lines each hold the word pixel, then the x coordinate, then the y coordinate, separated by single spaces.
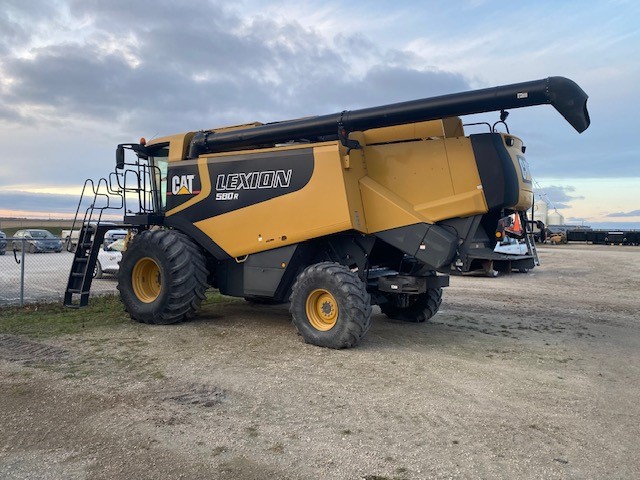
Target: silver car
pixel 36 241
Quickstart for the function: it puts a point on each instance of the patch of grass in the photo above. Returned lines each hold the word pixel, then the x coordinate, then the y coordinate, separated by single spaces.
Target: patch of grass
pixel 214 296
pixel 51 319
pixel 20 390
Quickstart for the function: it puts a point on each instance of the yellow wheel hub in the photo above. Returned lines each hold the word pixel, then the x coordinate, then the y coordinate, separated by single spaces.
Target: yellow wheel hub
pixel 322 310
pixel 145 280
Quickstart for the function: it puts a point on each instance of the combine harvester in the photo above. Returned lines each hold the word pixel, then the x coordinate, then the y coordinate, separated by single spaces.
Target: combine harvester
pixel 333 213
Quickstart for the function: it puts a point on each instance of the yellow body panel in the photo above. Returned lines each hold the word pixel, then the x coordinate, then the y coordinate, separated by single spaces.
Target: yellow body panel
pixel 449 127
pixel 420 181
pixel 386 210
pixel 354 168
pixel 416 173
pixel 319 209
pixel 178 145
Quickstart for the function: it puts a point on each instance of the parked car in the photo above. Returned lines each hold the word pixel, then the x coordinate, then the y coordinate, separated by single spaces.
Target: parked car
pixel 37 241
pixel 112 235
pixel 109 257
pixel 3 243
pixel 70 237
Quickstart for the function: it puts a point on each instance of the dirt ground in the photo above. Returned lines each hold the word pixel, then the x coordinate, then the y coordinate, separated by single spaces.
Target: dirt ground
pixel 522 376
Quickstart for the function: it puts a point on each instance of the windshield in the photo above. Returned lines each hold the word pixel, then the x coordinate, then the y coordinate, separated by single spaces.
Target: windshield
pixel 117 246
pixel 41 234
pixel 160 159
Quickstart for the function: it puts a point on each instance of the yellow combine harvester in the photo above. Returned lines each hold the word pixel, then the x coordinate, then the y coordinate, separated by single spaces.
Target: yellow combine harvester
pixel 334 213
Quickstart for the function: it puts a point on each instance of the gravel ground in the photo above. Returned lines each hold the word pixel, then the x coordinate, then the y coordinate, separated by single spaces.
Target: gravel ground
pixel 522 376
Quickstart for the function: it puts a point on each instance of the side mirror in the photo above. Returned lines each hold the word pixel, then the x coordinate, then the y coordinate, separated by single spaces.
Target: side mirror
pixel 120 157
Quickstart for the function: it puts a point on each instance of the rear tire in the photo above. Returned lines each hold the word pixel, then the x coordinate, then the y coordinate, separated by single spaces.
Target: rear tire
pixel 422 307
pixel 330 306
pixel 162 277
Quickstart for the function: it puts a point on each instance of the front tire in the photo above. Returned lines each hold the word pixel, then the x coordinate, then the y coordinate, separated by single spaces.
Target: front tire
pixel 421 307
pixel 330 306
pixel 162 277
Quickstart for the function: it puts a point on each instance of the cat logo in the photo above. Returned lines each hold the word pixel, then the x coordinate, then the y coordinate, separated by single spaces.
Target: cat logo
pixel 183 185
pixel 524 168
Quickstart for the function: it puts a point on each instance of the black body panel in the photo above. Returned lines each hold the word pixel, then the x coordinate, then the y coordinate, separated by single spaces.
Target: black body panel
pixel 239 181
pixel 412 285
pixel 179 222
pixel 497 172
pixel 263 271
pixel 430 244
pixel 263 274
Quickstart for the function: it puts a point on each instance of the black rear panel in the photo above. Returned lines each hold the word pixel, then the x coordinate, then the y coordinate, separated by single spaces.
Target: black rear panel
pixel 497 172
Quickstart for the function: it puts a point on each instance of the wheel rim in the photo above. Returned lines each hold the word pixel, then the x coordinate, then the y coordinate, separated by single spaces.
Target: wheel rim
pixel 145 280
pixel 322 310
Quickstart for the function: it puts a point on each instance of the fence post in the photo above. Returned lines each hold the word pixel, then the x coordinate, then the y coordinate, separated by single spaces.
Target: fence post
pixel 22 272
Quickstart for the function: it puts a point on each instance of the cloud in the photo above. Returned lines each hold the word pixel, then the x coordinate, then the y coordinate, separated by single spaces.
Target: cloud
pixel 153 76
pixel 558 196
pixel 79 76
pixel 18 19
pixel 120 78
pixel 39 202
pixel 632 213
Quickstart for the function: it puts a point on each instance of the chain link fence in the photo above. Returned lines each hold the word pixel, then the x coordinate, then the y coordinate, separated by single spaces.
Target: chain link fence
pixel 32 273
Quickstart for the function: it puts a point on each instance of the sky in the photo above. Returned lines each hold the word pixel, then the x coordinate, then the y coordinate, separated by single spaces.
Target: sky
pixel 77 77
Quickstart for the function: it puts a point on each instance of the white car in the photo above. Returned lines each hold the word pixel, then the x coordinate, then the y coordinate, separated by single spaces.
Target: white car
pixel 109 258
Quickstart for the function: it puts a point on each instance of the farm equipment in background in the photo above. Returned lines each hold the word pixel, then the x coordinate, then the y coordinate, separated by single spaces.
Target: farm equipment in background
pixel 333 213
